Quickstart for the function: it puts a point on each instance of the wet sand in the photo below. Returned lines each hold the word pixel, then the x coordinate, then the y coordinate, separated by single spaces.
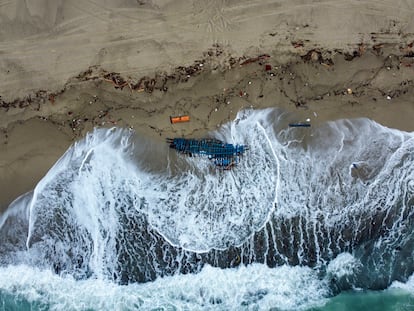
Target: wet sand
pixel 66 69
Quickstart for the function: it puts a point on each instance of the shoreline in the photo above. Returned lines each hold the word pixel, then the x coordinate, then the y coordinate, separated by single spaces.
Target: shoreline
pixel 316 88
pixel 74 70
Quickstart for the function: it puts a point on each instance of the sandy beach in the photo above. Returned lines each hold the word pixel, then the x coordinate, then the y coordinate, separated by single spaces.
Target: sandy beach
pixel 68 66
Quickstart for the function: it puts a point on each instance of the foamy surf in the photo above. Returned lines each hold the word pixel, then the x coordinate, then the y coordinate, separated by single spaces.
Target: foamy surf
pixel 254 287
pixel 335 202
pixel 245 288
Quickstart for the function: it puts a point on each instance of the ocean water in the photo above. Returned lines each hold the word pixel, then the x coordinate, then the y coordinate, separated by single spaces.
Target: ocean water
pixel 311 219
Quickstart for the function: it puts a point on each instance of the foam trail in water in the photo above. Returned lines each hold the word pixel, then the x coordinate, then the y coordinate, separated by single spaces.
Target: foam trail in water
pixel 245 288
pixel 255 287
pixel 13 230
pixel 74 213
pixel 112 208
pixel 202 208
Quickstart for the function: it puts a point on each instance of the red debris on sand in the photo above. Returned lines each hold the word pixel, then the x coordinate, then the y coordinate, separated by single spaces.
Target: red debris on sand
pixel 52 98
pixel 268 67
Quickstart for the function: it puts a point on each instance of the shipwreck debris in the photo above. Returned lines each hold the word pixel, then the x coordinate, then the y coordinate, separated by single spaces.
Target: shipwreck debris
pixel 222 154
pixel 179 119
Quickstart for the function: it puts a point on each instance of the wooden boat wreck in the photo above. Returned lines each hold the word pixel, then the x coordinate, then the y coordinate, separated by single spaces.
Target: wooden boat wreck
pixel 222 154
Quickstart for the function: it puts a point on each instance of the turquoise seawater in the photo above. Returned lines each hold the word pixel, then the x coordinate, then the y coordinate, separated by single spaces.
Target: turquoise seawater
pixel 392 300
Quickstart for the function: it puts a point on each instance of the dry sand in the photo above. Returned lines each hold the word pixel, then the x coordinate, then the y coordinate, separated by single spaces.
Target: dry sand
pixel 67 66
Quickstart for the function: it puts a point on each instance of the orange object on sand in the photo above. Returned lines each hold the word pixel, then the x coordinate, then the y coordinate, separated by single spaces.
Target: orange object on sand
pixel 179 119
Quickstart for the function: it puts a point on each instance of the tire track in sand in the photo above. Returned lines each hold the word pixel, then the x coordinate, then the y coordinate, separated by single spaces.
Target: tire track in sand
pixel 211 15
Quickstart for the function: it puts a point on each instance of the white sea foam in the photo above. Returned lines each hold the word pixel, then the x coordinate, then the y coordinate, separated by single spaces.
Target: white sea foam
pixel 197 208
pixel 343 265
pixel 200 208
pixel 255 287
pixel 319 187
pixel 407 286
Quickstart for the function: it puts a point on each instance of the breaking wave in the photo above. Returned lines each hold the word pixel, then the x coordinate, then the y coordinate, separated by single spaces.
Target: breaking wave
pixel 328 207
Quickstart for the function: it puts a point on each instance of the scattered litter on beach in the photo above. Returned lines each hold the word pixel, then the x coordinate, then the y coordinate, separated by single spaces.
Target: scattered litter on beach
pixel 179 119
pixel 300 124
